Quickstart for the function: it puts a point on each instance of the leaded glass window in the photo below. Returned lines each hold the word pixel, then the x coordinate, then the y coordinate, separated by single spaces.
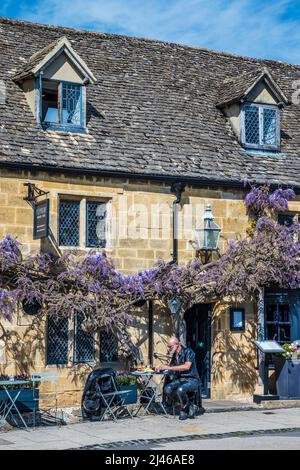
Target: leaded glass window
pixel 84 343
pixel 95 224
pixel 108 347
pixel 69 223
pixel 71 104
pixel 73 214
pixel 62 105
pixel 57 340
pixel 252 125
pixel 269 126
pixel 260 126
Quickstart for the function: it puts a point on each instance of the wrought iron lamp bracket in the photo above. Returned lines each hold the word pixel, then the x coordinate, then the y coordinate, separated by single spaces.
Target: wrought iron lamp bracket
pixel 206 255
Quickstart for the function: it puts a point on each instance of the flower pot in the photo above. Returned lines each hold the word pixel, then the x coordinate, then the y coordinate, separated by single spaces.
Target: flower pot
pixel 26 402
pixel 131 397
pixel 287 374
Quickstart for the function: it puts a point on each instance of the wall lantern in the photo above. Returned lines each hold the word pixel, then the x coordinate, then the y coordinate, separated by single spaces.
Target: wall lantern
pixel 174 305
pixel 207 238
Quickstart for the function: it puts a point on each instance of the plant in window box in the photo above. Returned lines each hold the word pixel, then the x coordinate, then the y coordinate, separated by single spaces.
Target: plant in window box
pixel 27 400
pixel 125 381
pixel 290 349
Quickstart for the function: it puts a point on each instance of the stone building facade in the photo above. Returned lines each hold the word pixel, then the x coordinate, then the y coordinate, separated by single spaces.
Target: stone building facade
pixel 144 115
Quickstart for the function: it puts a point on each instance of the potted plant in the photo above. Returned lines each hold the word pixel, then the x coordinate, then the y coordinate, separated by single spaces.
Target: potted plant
pixel 125 381
pixel 287 372
pixel 27 400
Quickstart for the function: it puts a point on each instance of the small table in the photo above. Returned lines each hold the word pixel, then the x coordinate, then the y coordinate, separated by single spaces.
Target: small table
pixel 7 405
pixel 151 391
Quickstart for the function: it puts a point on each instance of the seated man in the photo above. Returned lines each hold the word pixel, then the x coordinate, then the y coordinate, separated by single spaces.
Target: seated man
pixel 187 377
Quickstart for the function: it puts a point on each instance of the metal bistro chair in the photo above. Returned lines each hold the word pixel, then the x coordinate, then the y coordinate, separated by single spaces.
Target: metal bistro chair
pixel 114 400
pixel 46 407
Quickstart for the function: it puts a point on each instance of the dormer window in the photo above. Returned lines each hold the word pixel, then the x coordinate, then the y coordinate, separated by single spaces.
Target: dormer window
pixel 62 104
pixel 54 81
pixel 251 102
pixel 260 126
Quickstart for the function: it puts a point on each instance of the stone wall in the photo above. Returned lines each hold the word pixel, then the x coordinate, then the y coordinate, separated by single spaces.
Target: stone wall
pixel 233 373
pixel 22 343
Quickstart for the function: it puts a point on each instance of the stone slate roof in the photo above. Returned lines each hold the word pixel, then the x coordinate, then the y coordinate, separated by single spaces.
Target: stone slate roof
pixel 42 58
pixel 235 89
pixel 152 112
pixel 34 60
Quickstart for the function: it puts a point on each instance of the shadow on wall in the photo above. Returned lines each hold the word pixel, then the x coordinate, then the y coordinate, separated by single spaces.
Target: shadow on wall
pixel 162 327
pixel 24 345
pixel 234 356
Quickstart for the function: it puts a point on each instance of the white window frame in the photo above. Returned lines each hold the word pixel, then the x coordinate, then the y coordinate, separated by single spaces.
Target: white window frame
pixel 261 108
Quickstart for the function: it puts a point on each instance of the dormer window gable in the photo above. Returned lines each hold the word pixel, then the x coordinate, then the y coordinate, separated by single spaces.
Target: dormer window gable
pixel 252 103
pixel 55 81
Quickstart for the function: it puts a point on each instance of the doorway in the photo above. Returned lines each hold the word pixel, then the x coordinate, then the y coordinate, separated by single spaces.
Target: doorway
pixel 198 337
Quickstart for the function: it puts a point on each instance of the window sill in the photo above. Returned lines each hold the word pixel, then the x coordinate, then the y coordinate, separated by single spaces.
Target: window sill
pixel 84 248
pixel 263 152
pixel 70 364
pixel 61 128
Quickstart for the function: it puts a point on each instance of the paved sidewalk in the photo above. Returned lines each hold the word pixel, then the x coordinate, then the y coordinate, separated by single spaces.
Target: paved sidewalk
pixel 136 431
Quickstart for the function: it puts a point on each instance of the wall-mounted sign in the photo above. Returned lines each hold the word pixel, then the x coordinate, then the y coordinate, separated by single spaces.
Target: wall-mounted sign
pixel 237 319
pixel 41 219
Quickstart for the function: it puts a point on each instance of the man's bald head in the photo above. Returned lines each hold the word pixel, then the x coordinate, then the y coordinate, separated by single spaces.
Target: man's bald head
pixel 173 344
pixel 173 341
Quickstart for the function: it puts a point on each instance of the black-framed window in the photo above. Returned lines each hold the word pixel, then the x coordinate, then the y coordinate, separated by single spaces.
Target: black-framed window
pixel 57 340
pixel 278 322
pixel 84 342
pixel 69 216
pixel 95 224
pixel 75 212
pixel 59 346
pixel 108 347
pixel 237 319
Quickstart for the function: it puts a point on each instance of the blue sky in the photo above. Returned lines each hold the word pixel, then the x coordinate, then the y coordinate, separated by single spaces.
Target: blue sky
pixel 265 28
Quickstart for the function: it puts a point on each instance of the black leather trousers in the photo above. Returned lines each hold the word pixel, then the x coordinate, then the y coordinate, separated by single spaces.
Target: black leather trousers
pixel 180 388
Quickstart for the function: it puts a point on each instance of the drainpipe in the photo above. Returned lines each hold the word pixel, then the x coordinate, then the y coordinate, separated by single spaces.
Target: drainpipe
pixel 177 189
pixel 150 332
pixel 261 336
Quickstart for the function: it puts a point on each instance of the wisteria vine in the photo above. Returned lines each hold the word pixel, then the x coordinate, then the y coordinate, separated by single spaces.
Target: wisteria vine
pixel 90 283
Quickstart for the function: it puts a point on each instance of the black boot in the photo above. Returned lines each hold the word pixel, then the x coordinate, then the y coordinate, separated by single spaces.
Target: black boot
pixel 191 412
pixel 182 415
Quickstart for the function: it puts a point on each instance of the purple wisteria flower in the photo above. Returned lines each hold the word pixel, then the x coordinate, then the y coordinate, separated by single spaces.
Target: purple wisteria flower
pixel 259 200
pixel 279 199
pixel 90 284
